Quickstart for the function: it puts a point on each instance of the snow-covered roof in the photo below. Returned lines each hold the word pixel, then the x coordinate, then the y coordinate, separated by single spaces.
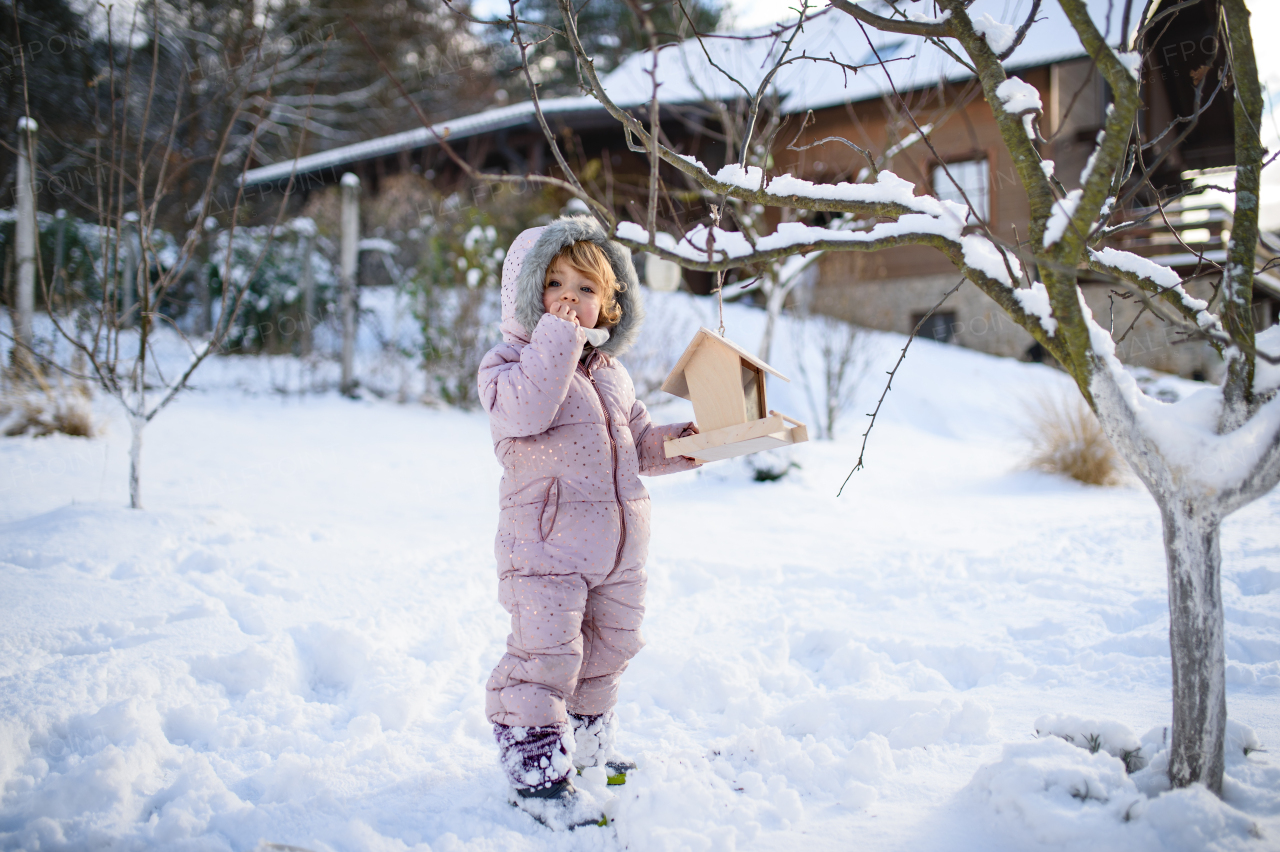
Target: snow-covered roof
pixel 502 118
pixel 687 73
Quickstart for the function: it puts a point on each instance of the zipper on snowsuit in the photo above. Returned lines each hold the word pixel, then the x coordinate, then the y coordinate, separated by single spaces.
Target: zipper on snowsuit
pixel 613 456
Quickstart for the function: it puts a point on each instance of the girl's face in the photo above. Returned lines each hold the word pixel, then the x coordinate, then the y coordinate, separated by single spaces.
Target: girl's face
pixel 571 295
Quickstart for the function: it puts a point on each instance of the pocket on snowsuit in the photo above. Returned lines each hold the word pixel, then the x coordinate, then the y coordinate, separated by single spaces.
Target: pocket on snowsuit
pixel 526 526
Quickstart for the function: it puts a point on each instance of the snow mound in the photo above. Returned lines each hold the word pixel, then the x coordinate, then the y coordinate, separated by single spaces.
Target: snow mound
pixel 1049 794
pixel 1113 738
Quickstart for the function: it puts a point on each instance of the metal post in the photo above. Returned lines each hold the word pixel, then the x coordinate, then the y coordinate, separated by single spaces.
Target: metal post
pixel 347 267
pixel 26 240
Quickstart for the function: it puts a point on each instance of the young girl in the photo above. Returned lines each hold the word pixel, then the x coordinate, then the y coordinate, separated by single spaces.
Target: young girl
pixel 573 528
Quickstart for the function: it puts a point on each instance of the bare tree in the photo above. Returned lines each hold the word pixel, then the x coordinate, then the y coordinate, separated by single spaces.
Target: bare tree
pixel 137 165
pixel 1195 479
pixel 445 68
pixel 842 364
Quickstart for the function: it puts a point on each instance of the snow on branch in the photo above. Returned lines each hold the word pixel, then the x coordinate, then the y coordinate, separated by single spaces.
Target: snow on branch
pixel 888 190
pixel 1195 460
pixel 1017 96
pixel 1020 98
pixel 994 269
pixel 889 196
pixel 713 249
pixel 999 37
pixel 1157 280
pixel 1132 62
pixel 1035 301
pixel 1063 210
pixel 1111 148
pixel 981 254
pixel 918 18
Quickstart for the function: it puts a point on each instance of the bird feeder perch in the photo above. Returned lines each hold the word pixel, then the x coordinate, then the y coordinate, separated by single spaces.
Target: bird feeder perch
pixel 726 386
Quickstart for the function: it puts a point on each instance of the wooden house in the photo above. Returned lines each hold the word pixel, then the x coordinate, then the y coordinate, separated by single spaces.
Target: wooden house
pixel 964 157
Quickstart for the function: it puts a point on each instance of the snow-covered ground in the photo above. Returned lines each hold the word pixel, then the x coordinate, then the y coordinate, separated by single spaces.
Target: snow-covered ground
pixel 289 645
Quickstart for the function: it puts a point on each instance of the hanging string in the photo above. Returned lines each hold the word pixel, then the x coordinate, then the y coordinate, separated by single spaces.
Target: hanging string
pixel 711 241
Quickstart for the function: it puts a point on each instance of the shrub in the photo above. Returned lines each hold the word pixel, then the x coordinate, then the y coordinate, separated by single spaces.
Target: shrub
pixel 40 409
pixel 268 261
pixel 1067 439
pixel 456 286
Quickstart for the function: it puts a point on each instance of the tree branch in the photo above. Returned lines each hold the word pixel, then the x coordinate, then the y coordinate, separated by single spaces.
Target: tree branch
pixel 1237 279
pixel 1022 30
pixel 940 28
pixel 902 356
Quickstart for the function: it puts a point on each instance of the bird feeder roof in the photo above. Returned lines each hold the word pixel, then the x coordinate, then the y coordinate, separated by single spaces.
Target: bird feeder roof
pixel 677 385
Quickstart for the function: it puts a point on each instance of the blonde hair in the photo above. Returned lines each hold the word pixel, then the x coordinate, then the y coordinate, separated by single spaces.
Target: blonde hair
pixel 590 260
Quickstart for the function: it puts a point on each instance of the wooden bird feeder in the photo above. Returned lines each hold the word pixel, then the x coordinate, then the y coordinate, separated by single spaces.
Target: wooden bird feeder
pixel 726 386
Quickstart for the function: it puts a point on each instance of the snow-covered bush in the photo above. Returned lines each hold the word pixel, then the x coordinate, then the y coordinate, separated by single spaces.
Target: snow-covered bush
pixel 1048 794
pixel 1109 783
pixel 458 326
pixel 1242 739
pixel 71 252
pixel 770 465
pixel 1118 740
pixel 269 262
pixel 1094 735
pixel 1067 439
pixel 456 287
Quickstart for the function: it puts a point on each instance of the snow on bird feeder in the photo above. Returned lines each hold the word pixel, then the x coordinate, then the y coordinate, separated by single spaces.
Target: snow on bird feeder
pixel 726 386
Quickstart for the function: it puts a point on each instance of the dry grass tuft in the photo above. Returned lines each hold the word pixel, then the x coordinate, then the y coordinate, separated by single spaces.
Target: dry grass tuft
pixel 74 419
pixel 39 409
pixel 1067 439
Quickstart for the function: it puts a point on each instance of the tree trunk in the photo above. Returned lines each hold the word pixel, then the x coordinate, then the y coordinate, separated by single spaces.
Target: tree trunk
pixel 1197 645
pixel 1197 642
pixel 136 425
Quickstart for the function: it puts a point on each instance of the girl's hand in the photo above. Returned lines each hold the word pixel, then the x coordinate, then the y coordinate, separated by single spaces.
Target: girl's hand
pixel 691 429
pixel 562 310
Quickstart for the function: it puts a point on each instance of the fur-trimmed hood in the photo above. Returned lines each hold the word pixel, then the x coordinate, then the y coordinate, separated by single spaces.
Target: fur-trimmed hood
pixel 525 269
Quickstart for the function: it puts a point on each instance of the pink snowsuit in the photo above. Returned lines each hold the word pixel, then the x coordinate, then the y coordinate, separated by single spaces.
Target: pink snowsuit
pixel 573 528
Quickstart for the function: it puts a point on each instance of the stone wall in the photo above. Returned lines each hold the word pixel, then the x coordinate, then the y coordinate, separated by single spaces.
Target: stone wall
pixel 975 321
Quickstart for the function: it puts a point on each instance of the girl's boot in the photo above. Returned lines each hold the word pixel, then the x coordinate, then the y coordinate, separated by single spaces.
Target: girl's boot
pixel 537 763
pixel 593 738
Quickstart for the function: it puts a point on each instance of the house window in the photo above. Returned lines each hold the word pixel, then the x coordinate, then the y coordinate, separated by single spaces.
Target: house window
pixel 971 176
pixel 939 326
